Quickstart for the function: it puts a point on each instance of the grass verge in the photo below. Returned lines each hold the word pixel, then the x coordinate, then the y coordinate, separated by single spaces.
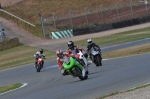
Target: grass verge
pixel 9 87
pixel 20 55
pixel 140 49
pixel 118 38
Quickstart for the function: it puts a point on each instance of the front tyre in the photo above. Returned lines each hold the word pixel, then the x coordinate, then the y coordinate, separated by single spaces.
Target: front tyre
pixel 38 68
pixel 78 73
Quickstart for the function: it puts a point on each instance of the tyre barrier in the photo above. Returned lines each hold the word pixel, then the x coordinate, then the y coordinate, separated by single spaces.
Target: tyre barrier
pixel 141 20
pixel 135 21
pixel 147 18
pixel 80 31
pixel 88 30
pixel 128 23
pixel 115 25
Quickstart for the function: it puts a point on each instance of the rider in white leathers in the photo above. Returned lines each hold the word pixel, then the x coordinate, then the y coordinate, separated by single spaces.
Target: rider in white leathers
pixel 38 54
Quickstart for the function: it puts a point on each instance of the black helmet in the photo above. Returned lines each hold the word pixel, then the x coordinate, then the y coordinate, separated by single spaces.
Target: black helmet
pixel 71 44
pixel 41 51
pixel 89 41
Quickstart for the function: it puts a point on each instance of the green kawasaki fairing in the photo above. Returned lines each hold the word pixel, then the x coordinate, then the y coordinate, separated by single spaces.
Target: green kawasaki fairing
pixel 71 64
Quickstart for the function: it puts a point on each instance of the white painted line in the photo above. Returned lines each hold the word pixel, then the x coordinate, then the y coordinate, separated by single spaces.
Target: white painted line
pixel 51 66
pixel 24 84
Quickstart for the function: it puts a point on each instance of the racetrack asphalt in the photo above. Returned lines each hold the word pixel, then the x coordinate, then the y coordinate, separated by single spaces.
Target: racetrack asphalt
pixel 115 75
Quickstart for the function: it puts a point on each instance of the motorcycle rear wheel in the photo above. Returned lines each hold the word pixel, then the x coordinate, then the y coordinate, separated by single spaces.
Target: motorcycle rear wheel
pixel 98 61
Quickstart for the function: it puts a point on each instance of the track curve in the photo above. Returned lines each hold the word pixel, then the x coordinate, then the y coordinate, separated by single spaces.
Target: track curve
pixel 115 75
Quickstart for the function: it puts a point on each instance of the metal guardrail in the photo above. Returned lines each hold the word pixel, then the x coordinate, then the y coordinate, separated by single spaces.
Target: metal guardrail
pixel 17 17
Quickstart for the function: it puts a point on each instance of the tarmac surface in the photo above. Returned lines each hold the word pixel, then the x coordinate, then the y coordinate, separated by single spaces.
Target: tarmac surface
pixel 12 30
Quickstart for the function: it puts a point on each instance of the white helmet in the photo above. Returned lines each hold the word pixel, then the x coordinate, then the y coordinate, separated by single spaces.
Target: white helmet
pixel 89 41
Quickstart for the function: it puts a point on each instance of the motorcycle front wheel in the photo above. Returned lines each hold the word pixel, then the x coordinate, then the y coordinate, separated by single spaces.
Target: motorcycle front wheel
pixel 38 68
pixel 78 73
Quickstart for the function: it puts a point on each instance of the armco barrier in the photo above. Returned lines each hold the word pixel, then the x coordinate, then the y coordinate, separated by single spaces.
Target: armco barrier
pixel 62 34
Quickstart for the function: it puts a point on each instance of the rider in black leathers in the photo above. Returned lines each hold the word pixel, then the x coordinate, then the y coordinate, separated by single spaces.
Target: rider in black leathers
pixel 90 45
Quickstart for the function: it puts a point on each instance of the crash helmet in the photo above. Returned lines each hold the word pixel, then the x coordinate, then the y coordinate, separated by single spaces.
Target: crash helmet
pixel 89 41
pixel 71 44
pixel 41 51
pixel 59 53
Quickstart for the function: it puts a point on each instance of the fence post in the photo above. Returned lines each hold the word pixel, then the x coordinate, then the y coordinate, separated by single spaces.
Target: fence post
pixel 145 1
pixel 42 23
pixel 54 21
pixel 71 19
pixel 102 12
pixel 86 15
pixel 131 9
pixel 118 11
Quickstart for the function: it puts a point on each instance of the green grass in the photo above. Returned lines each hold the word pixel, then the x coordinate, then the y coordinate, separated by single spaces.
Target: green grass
pixel 119 38
pixel 134 50
pixel 20 55
pixel 9 87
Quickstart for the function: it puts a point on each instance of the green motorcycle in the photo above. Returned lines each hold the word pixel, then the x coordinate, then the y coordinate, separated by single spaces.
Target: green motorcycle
pixel 74 68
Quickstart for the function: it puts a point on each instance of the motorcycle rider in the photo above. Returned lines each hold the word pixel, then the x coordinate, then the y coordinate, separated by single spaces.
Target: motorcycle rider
pixel 38 54
pixel 90 45
pixel 72 47
pixel 60 59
